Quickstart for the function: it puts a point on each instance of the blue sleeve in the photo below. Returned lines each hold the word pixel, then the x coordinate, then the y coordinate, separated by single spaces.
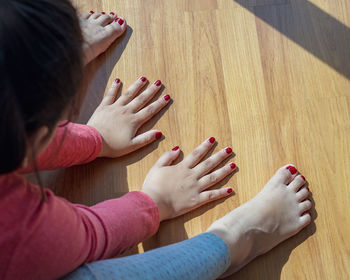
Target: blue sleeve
pixel 203 257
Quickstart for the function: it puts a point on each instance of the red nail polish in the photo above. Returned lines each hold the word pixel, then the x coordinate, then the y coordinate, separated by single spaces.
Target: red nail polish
pixel 143 79
pixel 121 21
pixel 292 169
pixel 111 13
pixel 158 83
pixel 103 13
pixel 229 190
pixel 175 148
pixel 303 177
pixel 232 165
pixel 212 140
pixel 308 189
pixel 117 81
pixel 167 97
pixel 159 135
pixel 92 12
pixel 116 19
pixel 228 150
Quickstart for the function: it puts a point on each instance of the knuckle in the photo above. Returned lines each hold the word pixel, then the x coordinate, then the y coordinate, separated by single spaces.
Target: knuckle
pixel 196 153
pixel 208 163
pixel 212 178
pixel 150 110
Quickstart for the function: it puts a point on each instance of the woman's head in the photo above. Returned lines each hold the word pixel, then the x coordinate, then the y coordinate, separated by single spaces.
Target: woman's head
pixel 40 71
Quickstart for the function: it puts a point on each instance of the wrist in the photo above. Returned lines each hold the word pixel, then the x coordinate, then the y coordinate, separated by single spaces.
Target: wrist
pixel 162 210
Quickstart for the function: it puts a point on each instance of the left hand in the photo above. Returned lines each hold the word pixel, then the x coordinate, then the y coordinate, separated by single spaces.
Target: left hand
pixel 119 119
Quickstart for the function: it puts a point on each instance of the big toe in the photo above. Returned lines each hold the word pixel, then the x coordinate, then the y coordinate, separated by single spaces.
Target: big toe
pixel 284 175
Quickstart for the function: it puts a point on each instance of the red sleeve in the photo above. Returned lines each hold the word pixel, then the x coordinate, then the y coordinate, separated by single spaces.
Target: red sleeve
pixel 46 240
pixel 72 144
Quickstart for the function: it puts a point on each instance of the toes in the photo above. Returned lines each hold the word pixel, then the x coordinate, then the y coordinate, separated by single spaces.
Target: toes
pixel 105 19
pixel 304 206
pixel 302 194
pixel 86 15
pixel 284 175
pixel 95 15
pixel 305 220
pixel 117 27
pixel 297 183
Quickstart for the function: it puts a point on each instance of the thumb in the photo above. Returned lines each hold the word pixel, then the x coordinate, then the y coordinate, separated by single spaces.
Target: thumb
pixel 168 157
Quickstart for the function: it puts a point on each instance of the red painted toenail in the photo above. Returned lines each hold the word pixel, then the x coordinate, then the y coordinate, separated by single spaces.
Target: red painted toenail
pixel 117 81
pixel 159 135
pixel 116 19
pixel 175 148
pixel 103 13
pixel 92 12
pixel 158 83
pixel 167 97
pixel 232 165
pixel 228 150
pixel 111 13
pixel 229 190
pixel 303 177
pixel 212 140
pixel 120 21
pixel 143 79
pixel 308 188
pixel 292 169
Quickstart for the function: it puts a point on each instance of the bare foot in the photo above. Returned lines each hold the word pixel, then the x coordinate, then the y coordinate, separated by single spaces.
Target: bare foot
pixel 275 214
pixel 100 30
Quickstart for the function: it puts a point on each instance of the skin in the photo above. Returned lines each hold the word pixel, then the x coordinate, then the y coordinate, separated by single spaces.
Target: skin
pixel 278 212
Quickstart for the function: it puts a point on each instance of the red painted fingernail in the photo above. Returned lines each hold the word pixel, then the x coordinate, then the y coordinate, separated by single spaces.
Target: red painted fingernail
pixel 175 148
pixel 228 150
pixel 92 12
pixel 121 21
pixel 117 81
pixel 111 13
pixel 292 169
pixel 158 83
pixel 167 97
pixel 232 165
pixel 143 79
pixel 303 177
pixel 158 135
pixel 212 140
pixel 103 13
pixel 229 190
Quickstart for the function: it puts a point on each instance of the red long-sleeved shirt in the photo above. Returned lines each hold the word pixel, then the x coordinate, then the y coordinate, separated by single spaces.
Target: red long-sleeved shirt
pixel 46 240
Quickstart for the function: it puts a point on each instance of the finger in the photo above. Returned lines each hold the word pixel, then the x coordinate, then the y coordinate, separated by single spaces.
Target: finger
pixel 116 28
pixel 216 176
pixel 105 19
pixel 145 138
pixel 168 157
pixel 111 94
pixel 140 101
pixel 147 113
pixel 209 164
pixel 132 91
pixel 208 196
pixel 198 153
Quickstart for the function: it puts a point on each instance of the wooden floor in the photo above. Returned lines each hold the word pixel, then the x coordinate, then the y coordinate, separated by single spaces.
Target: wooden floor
pixel 271 79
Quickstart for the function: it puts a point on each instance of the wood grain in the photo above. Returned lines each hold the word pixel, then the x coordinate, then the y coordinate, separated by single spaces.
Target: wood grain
pixel 269 78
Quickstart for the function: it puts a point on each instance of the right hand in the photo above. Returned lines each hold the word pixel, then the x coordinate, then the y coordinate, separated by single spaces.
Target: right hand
pixel 178 189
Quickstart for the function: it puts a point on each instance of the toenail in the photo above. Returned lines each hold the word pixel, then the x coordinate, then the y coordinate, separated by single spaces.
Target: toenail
pixel 232 165
pixel 103 13
pixel 117 81
pixel 212 140
pixel 92 12
pixel 111 13
pixel 158 83
pixel 307 188
pixel 292 169
pixel 228 150
pixel 175 148
pixel 303 177
pixel 229 190
pixel 167 97
pixel 158 135
pixel 120 21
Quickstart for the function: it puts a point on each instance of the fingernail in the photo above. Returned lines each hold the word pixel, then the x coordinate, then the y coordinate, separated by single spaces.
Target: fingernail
pixel 232 165
pixel 167 97
pixel 111 13
pixel 303 177
pixel 143 79
pixel 117 81
pixel 292 169
pixel 228 150
pixel 159 135
pixel 212 140
pixel 229 190
pixel 103 13
pixel 92 12
pixel 175 148
pixel 158 83
pixel 121 21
